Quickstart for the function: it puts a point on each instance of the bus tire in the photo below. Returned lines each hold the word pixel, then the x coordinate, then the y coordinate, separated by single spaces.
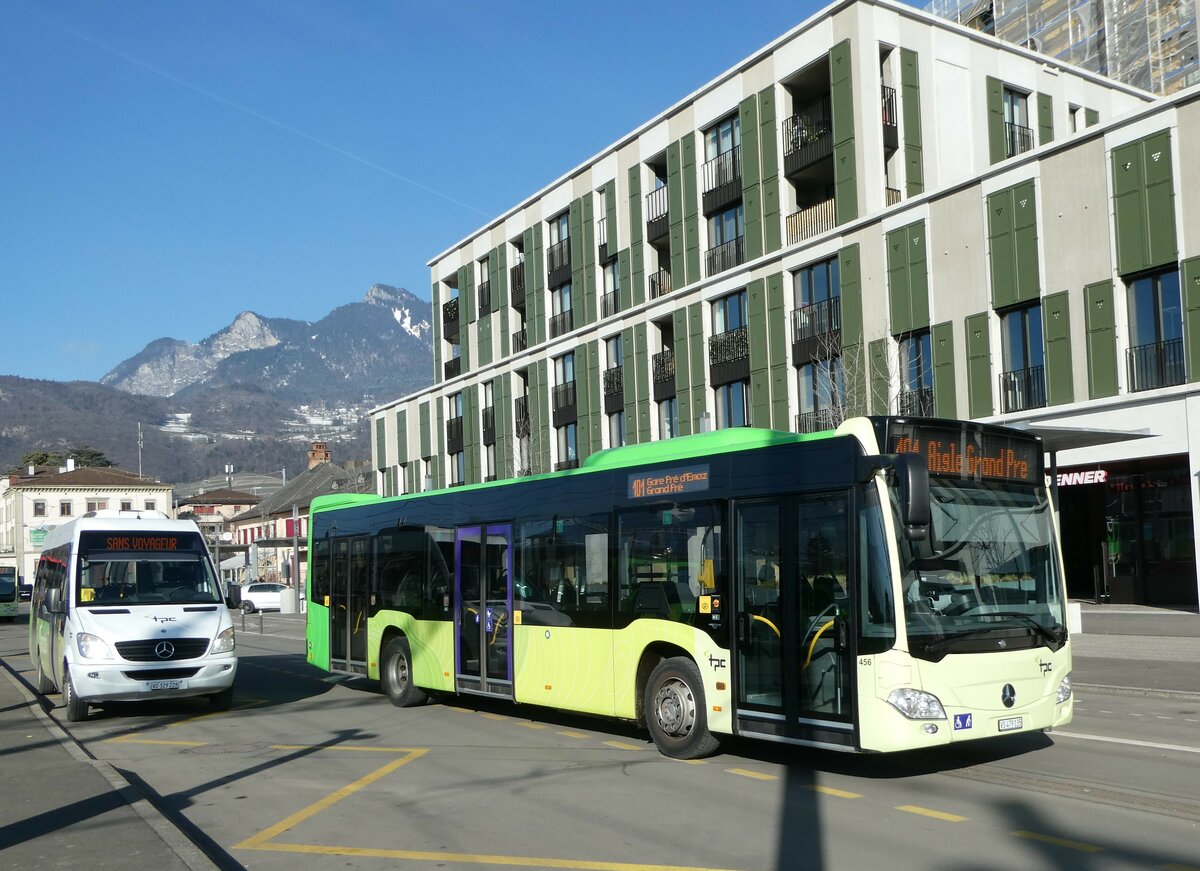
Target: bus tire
pixel 676 713
pixel 221 701
pixel 395 675
pixel 45 686
pixel 77 708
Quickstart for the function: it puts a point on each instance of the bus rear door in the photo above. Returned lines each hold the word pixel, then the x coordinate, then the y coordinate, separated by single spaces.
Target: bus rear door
pixel 482 610
pixel 349 598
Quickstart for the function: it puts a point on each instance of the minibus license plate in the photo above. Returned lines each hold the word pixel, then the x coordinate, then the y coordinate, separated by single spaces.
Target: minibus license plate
pixel 181 685
pixel 1010 723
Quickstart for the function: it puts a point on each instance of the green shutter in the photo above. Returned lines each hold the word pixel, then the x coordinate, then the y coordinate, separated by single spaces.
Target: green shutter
pixel 471 440
pixel 777 342
pixel 1029 285
pixel 631 363
pixel 699 363
pixel 918 275
pixel 879 377
pixel 853 345
pixel 466 292
pixel 760 369
pixel 402 436
pixel 841 94
pixel 439 451
pixel 380 442
pixel 995 109
pixel 625 292
pixel 979 366
pixel 769 149
pixel 583 399
pixel 1129 207
pixel 438 375
pixel 1045 110
pixel 945 395
pixel 642 375
pixel 683 388
pixel 751 194
pixel 691 209
pixel 910 102
pixel 610 217
pixel 637 228
pixel 1090 117
pixel 501 300
pixel 899 295
pixel 1002 248
pixel 1056 326
pixel 675 213
pixel 1101 339
pixel 1190 289
pixel 426 434
pixel 1160 200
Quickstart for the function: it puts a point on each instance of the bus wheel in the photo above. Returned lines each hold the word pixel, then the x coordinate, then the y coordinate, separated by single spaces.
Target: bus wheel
pixel 44 684
pixel 395 674
pixel 77 708
pixel 676 712
pixel 221 701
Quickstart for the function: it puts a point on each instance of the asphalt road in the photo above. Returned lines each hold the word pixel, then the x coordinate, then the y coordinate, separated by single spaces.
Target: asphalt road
pixel 313 771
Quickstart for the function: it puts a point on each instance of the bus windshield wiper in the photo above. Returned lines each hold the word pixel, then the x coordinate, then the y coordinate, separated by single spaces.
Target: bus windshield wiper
pixel 1055 634
pixel 937 644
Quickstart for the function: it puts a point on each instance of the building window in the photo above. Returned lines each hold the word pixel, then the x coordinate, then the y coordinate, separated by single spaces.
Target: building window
pixel 560 311
pixel 65 507
pixel 1023 381
pixel 726 231
pixel 567 457
pixel 126 504
pixel 722 137
pixel 97 505
pixel 916 375
pixel 616 429
pixel 39 507
pixel 151 505
pixel 668 418
pixel 560 228
pixel 611 301
pixel 489 462
pixel 733 408
pixel 614 351
pixel 1155 332
pixel 817 297
pixel 564 368
pixel 1018 137
pixel 822 394
pixel 457 469
pixel 729 312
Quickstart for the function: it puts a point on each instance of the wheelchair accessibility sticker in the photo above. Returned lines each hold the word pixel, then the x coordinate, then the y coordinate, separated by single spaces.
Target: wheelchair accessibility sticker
pixel 962 721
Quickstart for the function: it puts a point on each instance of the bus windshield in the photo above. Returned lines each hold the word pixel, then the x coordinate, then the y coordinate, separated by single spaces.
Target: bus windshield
pixel 8 584
pixel 145 570
pixel 988 570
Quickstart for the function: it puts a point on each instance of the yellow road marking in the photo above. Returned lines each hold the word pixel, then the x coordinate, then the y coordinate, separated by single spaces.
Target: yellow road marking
pixel 134 739
pixel 495 716
pixel 688 761
pixel 1059 842
pixel 248 703
pixel 757 775
pixel 347 747
pixel 621 745
pixel 532 725
pixel 928 812
pixel 573 734
pixel 831 790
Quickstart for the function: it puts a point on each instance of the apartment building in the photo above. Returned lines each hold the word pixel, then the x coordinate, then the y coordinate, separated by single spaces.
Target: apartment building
pixel 879 212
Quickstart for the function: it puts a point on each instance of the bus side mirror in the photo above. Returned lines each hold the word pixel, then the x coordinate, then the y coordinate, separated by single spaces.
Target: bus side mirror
pixel 912 479
pixel 51 602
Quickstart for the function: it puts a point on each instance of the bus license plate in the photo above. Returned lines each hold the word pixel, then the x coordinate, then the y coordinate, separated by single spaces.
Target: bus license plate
pixel 175 685
pixel 1010 723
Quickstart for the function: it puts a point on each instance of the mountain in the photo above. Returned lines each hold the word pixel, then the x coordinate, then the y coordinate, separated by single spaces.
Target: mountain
pixel 380 347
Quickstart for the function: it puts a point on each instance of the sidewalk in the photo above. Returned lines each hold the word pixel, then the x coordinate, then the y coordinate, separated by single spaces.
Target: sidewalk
pixel 63 809
pixel 1139 650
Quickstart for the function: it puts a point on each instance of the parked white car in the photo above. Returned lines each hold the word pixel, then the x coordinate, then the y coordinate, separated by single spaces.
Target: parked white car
pixel 262 597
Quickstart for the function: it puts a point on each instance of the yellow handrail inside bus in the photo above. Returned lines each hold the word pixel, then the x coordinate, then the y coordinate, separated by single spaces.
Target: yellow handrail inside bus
pixel 813 644
pixel 774 628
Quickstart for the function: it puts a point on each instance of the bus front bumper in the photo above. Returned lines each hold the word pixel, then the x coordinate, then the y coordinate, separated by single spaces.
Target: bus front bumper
pixel 130 683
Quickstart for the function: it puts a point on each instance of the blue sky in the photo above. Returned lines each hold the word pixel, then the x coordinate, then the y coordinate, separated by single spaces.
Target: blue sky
pixel 166 165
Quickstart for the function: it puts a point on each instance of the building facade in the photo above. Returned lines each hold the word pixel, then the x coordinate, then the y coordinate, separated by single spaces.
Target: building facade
pixel 879 212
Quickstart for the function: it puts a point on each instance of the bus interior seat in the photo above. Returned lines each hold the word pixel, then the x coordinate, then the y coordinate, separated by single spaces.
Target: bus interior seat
pixel 658 598
pixel 826 591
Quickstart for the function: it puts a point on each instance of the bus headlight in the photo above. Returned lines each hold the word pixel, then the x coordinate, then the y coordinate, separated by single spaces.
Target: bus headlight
pixel 225 642
pixel 1064 689
pixel 917 704
pixel 92 647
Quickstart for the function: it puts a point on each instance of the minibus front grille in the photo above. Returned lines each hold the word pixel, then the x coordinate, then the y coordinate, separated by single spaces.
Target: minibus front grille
pixel 161 673
pixel 153 649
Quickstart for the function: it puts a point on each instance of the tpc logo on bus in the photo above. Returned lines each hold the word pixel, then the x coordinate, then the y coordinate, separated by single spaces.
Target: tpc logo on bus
pixel 962 721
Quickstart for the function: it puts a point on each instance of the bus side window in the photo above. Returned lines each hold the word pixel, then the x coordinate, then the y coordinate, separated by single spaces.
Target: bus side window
pixel 877 616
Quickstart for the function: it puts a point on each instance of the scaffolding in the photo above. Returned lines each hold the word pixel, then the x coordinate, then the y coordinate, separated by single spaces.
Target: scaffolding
pixel 1149 44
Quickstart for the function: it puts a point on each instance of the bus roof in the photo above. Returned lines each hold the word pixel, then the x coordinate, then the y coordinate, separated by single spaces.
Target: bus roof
pixel 126 522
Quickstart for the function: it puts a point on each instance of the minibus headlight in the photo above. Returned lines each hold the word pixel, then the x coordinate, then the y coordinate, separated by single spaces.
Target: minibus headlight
pixel 1064 689
pixel 92 647
pixel 225 642
pixel 917 704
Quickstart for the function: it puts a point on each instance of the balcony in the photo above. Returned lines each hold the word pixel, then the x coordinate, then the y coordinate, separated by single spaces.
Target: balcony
pixel 519 342
pixel 454 435
pixel 485 298
pixel 558 263
pixel 562 403
pixel 916 403
pixel 722 180
pixel 452 368
pixel 521 416
pixel 561 323
pixel 660 283
pixel 489 425
pixel 657 226
pixel 891 127
pixel 1021 389
pixel 450 317
pixel 1017 139
pixel 811 221
pixel 807 137
pixel 729 356
pixel 662 367
pixel 817 331
pixel 610 304
pixel 614 389
pixel 820 419
pixel 516 279
pixel 891 196
pixel 1157 364
pixel 725 256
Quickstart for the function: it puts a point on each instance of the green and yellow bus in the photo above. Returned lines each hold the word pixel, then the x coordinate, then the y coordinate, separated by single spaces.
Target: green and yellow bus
pixel 8 593
pixel 894 584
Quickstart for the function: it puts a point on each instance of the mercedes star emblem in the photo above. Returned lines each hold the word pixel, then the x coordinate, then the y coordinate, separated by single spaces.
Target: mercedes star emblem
pixel 1008 695
pixel 165 650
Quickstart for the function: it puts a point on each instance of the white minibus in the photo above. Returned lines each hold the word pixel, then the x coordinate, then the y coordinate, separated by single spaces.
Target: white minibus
pixel 127 606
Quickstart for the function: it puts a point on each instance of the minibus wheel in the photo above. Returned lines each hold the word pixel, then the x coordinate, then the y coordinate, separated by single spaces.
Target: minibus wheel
pixel 77 708
pixel 395 675
pixel 221 701
pixel 676 712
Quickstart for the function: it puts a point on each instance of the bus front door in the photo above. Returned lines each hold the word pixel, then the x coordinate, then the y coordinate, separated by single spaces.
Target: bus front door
pixel 792 660
pixel 349 597
pixel 483 605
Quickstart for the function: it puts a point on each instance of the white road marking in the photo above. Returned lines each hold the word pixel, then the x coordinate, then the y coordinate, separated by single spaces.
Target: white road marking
pixel 1156 746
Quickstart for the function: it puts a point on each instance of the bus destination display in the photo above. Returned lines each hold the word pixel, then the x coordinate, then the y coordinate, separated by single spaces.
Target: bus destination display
pixel 645 485
pixel 969 454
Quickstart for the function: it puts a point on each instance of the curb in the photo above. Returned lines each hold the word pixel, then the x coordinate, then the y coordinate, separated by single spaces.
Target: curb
pixel 176 840
pixel 1139 691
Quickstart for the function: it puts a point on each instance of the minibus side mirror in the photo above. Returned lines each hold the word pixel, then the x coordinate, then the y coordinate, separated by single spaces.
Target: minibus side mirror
pixel 912 480
pixel 52 602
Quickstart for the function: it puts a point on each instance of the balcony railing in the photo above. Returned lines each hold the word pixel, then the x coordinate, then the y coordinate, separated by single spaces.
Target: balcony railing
pixel 485 298
pixel 569 463
pixel 817 319
pixel 820 419
pixel 891 137
pixel 917 403
pixel 1157 364
pixel 452 367
pixel 812 221
pixel 454 433
pixel 521 416
pixel 662 366
pixel 610 304
pixel 563 395
pixel 891 196
pixel 729 346
pixel 807 136
pixel 561 323
pixel 725 168
pixel 656 204
pixel 660 283
pixel 450 312
pixel 558 260
pixel 1023 388
pixel 516 279
pixel 725 256
pixel 614 381
pixel 1017 139
pixel 519 342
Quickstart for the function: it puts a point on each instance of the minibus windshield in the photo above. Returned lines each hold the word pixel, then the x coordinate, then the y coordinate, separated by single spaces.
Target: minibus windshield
pixel 118 569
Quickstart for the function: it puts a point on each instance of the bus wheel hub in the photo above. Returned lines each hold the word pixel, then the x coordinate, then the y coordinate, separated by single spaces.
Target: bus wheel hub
pixel 675 707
